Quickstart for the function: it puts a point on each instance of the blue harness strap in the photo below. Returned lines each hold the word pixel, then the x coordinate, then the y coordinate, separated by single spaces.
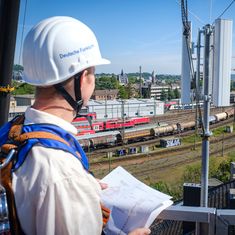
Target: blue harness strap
pixel 74 147
pixel 66 142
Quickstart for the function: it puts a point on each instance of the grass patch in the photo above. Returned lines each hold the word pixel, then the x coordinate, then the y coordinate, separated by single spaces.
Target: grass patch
pixel 191 139
pixel 171 181
pixel 218 131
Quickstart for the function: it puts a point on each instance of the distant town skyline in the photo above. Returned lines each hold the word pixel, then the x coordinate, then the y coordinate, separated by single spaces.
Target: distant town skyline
pixel 131 33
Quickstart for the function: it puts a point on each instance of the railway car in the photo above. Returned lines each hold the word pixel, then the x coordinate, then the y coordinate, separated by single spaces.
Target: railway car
pixel 164 130
pixel 184 106
pixel 136 134
pixel 117 124
pixel 85 125
pixel 79 119
pixel 221 116
pixel 186 125
pixel 83 118
pixel 101 139
pixel 212 119
pixel 82 125
pixel 169 104
pixel 109 138
pixel 85 143
pixel 113 124
pixel 140 120
pixel 85 132
pixel 98 126
pixel 230 112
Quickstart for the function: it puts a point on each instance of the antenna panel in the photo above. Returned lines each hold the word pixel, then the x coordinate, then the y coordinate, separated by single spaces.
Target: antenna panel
pixel 222 62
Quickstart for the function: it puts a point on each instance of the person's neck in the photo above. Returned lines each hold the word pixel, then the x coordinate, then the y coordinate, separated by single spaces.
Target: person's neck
pixel 60 109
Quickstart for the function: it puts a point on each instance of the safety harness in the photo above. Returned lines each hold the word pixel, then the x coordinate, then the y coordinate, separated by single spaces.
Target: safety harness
pixel 16 140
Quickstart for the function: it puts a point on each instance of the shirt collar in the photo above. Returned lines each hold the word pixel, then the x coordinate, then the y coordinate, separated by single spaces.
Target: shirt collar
pixel 33 116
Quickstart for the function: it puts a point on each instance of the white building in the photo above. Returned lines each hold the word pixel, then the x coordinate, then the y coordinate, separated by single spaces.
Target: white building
pixel 156 90
pixel 127 108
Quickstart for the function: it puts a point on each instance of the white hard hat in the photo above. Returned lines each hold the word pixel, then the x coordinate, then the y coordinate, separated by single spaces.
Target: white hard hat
pixel 58 48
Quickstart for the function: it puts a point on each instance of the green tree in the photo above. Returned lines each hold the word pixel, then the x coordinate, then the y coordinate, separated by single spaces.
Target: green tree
pixel 130 90
pixel 223 171
pixel 23 88
pixel 177 93
pixel 123 94
pixel 232 85
pixel 170 94
pixel 192 174
pixel 163 96
pixel 18 67
pixel 133 80
pixel 174 191
pixel 104 83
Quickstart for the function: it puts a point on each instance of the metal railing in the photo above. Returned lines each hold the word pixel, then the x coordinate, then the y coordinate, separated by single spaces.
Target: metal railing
pixel 208 221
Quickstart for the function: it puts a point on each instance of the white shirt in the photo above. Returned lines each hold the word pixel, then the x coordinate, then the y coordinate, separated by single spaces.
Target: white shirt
pixel 53 192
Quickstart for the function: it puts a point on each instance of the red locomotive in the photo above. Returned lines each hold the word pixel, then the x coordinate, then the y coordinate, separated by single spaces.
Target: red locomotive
pixel 81 123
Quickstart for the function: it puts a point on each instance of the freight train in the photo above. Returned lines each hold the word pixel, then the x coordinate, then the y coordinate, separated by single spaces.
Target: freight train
pixel 150 131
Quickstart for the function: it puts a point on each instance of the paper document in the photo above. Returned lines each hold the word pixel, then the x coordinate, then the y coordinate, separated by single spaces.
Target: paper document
pixel 133 204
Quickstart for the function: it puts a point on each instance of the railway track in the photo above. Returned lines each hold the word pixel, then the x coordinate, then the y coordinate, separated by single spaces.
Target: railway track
pixel 99 154
pixel 144 165
pixel 183 158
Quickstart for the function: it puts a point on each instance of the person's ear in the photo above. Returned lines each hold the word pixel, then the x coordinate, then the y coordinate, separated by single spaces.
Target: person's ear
pixel 83 77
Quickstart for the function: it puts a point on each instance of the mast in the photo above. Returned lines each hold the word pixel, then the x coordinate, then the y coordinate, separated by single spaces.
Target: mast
pixel 9 13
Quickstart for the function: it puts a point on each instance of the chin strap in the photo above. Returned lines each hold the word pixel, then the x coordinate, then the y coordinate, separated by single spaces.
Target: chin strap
pixel 75 104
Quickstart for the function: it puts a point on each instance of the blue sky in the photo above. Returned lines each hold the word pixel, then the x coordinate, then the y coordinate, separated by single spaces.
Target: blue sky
pixel 131 32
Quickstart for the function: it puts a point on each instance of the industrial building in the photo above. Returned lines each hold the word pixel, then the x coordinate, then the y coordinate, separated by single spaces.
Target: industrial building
pixel 125 108
pixel 103 108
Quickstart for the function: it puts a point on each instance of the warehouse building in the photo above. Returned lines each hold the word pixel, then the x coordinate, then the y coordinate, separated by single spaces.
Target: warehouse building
pixel 125 108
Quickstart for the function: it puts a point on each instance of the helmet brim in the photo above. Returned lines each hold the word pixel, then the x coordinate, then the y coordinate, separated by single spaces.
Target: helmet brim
pixel 101 61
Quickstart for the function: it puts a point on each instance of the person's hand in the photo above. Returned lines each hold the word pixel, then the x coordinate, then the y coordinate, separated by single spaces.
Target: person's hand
pixel 102 185
pixel 140 231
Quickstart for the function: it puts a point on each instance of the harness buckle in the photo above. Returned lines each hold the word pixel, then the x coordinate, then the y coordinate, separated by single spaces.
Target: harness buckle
pixel 4 211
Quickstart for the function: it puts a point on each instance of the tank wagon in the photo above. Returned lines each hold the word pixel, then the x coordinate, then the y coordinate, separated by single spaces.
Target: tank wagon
pixel 100 139
pixel 138 133
pixel 186 125
pixel 164 130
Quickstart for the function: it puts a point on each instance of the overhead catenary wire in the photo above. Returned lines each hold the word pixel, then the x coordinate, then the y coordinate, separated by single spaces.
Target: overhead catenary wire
pixel 193 14
pixel 226 9
pixel 210 14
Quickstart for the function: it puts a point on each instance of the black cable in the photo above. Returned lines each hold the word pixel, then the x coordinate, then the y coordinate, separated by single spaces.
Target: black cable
pixel 184 15
pixel 22 35
pixel 226 9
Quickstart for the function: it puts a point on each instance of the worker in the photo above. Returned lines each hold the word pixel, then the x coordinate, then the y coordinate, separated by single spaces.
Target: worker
pixel 54 191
